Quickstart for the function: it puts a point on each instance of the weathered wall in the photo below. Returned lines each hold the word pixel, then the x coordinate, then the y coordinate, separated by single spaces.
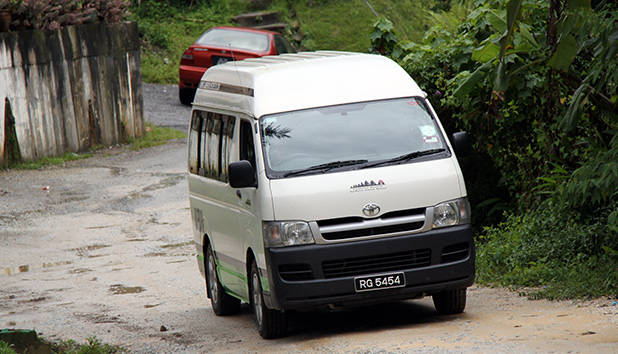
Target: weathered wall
pixel 70 89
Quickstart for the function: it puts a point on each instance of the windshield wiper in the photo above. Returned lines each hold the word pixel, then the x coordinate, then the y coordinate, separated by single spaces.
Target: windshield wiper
pixel 406 157
pixel 326 166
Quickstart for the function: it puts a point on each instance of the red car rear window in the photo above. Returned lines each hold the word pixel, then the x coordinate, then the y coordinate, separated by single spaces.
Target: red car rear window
pixel 217 37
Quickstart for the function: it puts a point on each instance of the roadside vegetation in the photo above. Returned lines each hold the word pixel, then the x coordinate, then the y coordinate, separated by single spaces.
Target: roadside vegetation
pixel 39 345
pixel 153 136
pixel 535 85
pixel 168 27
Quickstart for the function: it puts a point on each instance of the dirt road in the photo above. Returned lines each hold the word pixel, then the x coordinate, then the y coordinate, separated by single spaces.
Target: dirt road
pixel 106 251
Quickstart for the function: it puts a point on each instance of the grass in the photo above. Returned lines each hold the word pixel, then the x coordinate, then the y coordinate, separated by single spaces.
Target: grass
pixel 92 346
pixel 50 161
pixel 154 135
pixel 6 348
pixel 346 25
pixel 167 30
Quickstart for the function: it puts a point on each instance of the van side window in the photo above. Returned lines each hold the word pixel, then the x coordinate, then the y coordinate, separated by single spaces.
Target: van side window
pixel 247 150
pixel 209 144
pixel 194 142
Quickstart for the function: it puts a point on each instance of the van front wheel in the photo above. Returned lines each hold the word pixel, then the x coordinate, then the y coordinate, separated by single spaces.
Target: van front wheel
pixel 222 303
pixel 450 302
pixel 271 323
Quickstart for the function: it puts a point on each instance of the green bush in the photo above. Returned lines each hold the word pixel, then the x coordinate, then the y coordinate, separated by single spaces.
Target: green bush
pixel 539 100
pixel 555 251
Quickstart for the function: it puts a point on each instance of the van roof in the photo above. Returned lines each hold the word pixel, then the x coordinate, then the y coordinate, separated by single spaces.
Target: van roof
pixel 289 82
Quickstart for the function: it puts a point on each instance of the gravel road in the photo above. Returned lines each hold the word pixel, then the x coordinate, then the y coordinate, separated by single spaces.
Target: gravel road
pixel 103 247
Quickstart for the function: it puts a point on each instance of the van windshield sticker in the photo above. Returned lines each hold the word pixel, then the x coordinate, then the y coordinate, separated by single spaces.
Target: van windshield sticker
pixel 430 135
pixel 428 130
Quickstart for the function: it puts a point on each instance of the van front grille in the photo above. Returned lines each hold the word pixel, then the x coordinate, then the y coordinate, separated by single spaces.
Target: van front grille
pixel 377 264
pixel 392 222
pixel 371 231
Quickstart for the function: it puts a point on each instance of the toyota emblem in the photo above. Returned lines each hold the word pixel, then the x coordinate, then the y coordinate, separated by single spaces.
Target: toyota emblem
pixel 371 209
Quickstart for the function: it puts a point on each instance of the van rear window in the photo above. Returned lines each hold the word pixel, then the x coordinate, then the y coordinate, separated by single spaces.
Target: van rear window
pixel 218 37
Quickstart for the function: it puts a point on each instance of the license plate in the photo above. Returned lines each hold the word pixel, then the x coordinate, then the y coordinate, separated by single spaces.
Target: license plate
pixel 378 282
pixel 220 60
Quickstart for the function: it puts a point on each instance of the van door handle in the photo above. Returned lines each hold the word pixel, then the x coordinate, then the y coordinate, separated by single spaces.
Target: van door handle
pixel 238 194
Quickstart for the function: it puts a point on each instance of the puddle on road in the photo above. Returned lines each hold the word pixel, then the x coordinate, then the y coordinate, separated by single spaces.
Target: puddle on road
pixel 164 183
pixel 27 268
pixel 180 261
pixel 177 245
pixel 37 299
pixel 83 251
pixel 99 227
pixel 80 270
pixel 155 254
pixel 119 289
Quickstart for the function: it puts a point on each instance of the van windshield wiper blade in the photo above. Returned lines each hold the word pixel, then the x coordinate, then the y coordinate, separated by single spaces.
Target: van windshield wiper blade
pixel 406 157
pixel 326 166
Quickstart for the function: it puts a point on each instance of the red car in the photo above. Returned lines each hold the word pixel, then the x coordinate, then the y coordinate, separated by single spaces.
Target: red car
pixel 222 44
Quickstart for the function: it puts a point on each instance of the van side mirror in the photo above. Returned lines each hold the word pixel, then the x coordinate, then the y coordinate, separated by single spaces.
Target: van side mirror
pixel 242 174
pixel 461 143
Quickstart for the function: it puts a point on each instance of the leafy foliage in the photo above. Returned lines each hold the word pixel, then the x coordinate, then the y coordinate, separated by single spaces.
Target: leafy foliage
pixel 535 83
pixel 6 348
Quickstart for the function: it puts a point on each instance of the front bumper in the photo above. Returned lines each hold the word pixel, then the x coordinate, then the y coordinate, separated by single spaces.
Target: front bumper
pixel 447 263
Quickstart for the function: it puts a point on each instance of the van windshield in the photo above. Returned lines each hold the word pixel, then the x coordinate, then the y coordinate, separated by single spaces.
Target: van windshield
pixel 350 136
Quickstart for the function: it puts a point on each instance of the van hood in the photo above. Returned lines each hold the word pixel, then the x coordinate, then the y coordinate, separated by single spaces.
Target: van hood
pixel 344 194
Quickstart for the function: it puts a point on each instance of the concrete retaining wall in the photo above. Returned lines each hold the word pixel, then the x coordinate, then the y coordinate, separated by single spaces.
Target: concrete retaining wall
pixel 70 89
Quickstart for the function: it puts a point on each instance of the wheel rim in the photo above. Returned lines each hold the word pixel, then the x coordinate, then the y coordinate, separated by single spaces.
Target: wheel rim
pixel 257 299
pixel 212 279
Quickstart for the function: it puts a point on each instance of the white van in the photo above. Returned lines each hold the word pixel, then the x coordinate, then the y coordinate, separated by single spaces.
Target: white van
pixel 324 179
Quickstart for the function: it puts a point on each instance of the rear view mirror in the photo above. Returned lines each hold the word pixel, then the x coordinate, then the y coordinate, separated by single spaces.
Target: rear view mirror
pixel 242 174
pixel 461 143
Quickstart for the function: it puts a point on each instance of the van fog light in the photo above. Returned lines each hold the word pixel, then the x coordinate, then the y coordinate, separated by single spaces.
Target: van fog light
pixel 451 213
pixel 287 233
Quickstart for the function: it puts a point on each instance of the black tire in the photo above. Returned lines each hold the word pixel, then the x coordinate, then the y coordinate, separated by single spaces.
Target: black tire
pixel 270 323
pixel 186 95
pixel 223 304
pixel 450 302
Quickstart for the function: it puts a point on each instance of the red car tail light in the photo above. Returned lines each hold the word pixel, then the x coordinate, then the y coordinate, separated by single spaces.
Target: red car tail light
pixel 187 56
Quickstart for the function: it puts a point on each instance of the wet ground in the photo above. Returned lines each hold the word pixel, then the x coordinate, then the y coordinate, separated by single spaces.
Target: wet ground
pixel 103 247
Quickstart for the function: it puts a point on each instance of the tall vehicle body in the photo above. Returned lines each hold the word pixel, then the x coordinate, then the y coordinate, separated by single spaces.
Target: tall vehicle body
pixel 324 179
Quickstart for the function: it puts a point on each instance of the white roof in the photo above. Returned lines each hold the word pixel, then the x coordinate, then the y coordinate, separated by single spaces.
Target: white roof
pixel 288 82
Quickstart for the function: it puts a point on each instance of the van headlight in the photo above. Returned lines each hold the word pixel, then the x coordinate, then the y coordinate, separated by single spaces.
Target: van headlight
pixel 454 212
pixel 286 233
